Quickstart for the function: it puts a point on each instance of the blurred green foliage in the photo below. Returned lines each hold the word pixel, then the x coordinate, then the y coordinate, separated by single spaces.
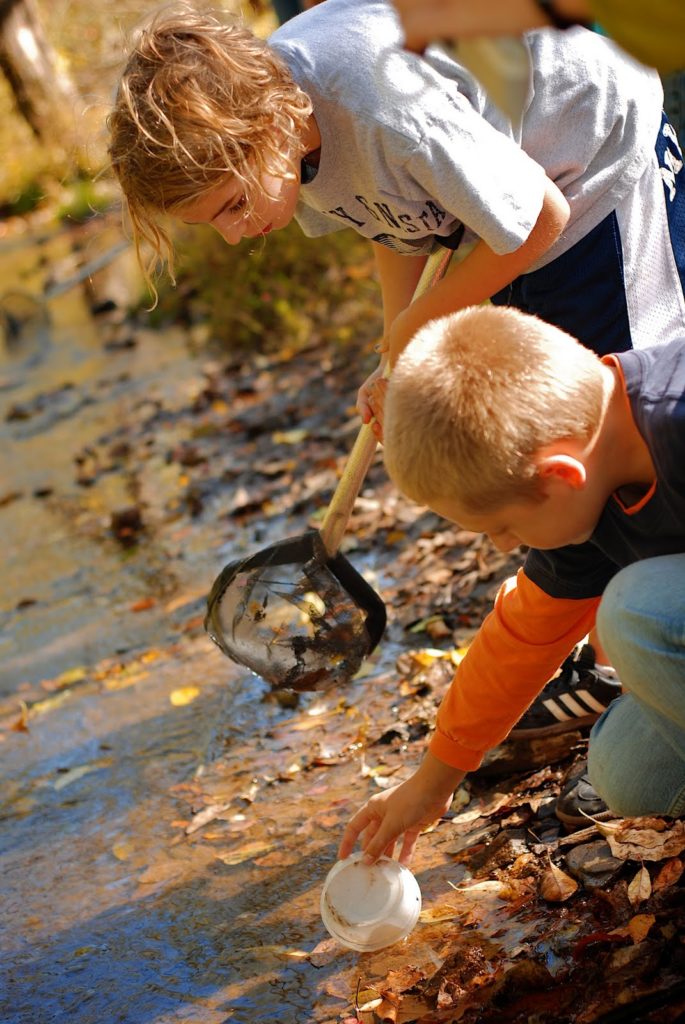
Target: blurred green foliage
pixel 283 290
pixel 82 199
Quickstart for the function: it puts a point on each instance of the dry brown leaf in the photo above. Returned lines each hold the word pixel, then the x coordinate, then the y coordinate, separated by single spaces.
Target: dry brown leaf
pixel 644 838
pixel 669 874
pixel 637 928
pixel 640 888
pixel 555 885
pixel 21 723
pixel 389 1008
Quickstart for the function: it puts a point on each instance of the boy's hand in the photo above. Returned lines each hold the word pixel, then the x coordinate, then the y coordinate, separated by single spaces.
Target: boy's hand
pixel 403 811
pixel 371 400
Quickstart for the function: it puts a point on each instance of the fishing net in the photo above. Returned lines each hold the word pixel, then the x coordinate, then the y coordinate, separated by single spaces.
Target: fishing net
pixel 297 617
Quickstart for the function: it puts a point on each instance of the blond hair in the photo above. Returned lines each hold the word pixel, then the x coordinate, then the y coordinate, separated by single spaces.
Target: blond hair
pixel 199 99
pixel 474 397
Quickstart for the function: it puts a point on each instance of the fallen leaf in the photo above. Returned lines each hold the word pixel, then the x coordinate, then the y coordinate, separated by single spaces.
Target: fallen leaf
pixel 640 888
pixel 204 817
pixel 276 952
pixel 21 724
pixel 433 915
pixel 74 774
pixel 71 676
pixel 637 928
pixel 184 695
pixel 644 839
pixel 247 852
pixel 123 849
pixel 669 874
pixel 555 885
pixel 295 436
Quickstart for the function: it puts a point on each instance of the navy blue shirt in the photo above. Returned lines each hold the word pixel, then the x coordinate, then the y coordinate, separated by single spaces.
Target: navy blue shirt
pixel 655 384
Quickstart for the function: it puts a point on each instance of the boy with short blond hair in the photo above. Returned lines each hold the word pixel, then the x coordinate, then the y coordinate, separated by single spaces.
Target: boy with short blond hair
pixel 488 400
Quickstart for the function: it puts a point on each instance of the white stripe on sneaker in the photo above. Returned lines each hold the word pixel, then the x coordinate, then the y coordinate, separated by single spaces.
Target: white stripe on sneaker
pixel 556 711
pixel 591 701
pixel 574 707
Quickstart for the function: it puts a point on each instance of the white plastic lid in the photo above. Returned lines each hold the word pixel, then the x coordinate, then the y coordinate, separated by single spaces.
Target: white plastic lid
pixel 367 907
pixel 363 894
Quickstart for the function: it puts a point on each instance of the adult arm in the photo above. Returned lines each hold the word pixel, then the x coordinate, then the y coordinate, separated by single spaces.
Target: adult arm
pixel 424 21
pixel 654 34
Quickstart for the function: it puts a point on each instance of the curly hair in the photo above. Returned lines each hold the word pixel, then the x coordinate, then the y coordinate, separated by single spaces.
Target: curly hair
pixel 198 99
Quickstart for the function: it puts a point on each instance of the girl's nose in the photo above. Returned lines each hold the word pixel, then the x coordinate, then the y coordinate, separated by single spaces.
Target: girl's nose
pixel 231 234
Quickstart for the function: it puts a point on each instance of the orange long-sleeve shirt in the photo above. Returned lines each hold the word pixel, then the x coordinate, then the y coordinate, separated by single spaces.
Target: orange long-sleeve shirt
pixel 521 643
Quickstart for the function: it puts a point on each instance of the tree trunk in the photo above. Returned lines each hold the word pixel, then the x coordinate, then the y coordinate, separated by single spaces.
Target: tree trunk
pixel 45 96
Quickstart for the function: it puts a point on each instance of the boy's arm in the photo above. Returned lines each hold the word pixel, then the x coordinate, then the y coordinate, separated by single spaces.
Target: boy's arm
pixel 481 274
pixel 518 647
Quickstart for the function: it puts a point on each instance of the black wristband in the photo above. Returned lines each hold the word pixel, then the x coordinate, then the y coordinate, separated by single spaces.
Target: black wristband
pixel 558 20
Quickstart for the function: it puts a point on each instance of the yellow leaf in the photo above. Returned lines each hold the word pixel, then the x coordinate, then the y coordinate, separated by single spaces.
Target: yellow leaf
pixel 289 436
pixel 457 654
pixel 432 915
pixel 72 675
pixel 246 852
pixel 121 682
pixel 123 850
pixel 184 695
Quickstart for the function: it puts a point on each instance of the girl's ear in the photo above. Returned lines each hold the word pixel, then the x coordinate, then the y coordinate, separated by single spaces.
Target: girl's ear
pixel 563 469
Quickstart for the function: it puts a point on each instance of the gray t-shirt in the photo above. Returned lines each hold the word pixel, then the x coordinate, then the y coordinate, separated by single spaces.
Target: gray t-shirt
pixel 412 148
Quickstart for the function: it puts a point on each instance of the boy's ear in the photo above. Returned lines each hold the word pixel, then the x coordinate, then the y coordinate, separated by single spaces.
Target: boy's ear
pixel 564 469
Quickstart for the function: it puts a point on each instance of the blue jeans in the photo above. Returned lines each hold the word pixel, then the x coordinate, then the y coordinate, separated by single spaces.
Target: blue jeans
pixel 637 748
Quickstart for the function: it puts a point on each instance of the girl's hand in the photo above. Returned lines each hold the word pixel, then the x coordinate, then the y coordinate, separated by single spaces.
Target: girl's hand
pixel 371 399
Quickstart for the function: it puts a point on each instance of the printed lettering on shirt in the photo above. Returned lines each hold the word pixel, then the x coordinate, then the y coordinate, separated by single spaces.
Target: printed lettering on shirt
pixel 673 160
pixel 339 211
pixel 430 217
pixel 433 216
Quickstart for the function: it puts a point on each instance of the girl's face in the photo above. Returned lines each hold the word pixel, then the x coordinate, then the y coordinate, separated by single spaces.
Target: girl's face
pixel 225 208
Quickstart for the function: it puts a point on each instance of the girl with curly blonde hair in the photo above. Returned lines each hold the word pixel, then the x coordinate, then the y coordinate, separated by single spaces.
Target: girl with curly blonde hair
pixel 202 103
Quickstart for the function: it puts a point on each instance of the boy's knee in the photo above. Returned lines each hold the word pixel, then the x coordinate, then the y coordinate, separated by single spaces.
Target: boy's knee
pixel 632 615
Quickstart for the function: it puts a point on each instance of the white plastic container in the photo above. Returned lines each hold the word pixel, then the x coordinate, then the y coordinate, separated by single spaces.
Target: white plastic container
pixel 369 907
